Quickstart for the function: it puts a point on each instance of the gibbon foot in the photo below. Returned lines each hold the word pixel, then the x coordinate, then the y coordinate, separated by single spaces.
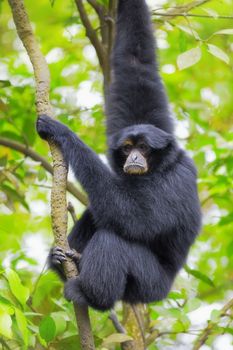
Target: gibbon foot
pixel 74 255
pixel 57 256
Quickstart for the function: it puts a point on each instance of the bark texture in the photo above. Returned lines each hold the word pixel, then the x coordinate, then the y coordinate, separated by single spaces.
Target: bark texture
pixel 58 196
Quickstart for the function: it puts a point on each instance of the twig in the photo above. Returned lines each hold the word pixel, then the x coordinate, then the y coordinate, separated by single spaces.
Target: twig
pixel 152 337
pixel 71 210
pixel 111 24
pixel 4 344
pixel 29 152
pixel 163 14
pixel 156 334
pixel 58 195
pixel 103 46
pixel 174 12
pixel 188 7
pixel 118 326
pixel 91 33
pixel 99 9
pixel 208 330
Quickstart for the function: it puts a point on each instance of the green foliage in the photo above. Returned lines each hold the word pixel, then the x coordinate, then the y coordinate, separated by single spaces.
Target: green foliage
pixel 196 64
pixel 47 329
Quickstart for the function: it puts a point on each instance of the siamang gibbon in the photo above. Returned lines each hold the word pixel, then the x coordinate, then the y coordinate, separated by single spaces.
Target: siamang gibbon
pixel 144 210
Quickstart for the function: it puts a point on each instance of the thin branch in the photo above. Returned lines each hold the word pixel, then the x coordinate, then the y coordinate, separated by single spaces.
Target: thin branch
pixel 99 9
pixel 118 326
pixel 111 24
pixel 91 33
pixel 156 334
pixel 4 344
pixel 187 7
pixel 152 337
pixel 103 46
pixel 58 195
pixel 71 210
pixel 29 152
pixel 201 340
pixel 184 9
pixel 163 14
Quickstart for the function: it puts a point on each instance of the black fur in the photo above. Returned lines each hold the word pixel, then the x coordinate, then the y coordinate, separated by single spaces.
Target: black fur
pixel 137 231
pixel 137 94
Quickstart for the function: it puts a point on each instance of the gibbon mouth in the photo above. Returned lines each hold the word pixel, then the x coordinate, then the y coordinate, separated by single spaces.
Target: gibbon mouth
pixel 135 168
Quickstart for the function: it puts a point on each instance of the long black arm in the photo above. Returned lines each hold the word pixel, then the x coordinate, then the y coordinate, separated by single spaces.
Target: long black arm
pixel 137 94
pixel 88 168
pixel 114 205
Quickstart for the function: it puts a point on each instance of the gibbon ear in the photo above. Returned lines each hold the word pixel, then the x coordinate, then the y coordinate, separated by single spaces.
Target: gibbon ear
pixel 114 141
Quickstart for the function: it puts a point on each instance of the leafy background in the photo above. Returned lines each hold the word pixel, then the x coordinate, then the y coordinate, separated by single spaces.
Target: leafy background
pixel 196 64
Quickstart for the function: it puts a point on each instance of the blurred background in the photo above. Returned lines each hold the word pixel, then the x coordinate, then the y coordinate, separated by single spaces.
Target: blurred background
pixel 196 63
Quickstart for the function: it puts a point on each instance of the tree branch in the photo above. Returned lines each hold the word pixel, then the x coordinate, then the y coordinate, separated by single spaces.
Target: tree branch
pixel 29 152
pixel 99 9
pixel 103 46
pixel 91 33
pixel 164 14
pixel 133 322
pixel 111 24
pixel 208 330
pixel 71 210
pixel 118 326
pixel 58 195
pixel 184 9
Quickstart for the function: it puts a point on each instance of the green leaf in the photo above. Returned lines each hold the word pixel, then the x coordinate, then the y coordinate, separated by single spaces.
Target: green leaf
pixel 22 325
pixel 189 31
pixel 219 53
pixel 154 315
pixel 41 174
pixel 172 312
pixel 178 326
pixel 225 220
pixel 116 338
pixel 185 321
pixel 230 249
pixel 5 324
pixel 4 83
pixel 15 196
pixel 189 58
pixel 211 12
pixel 175 295
pixel 6 306
pixel 228 330
pixel 20 292
pixel 215 314
pixel 192 305
pixel 47 329
pixel 228 31
pixel 3 161
pixel 60 321
pixel 199 275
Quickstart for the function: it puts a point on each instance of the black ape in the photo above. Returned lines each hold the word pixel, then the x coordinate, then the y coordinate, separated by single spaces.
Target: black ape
pixel 144 214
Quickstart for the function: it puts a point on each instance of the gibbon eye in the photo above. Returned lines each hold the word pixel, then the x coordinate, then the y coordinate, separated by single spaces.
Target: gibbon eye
pixel 127 148
pixel 142 147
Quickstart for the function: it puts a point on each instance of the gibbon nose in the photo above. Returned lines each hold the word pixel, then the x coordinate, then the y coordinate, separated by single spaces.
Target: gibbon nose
pixel 134 157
